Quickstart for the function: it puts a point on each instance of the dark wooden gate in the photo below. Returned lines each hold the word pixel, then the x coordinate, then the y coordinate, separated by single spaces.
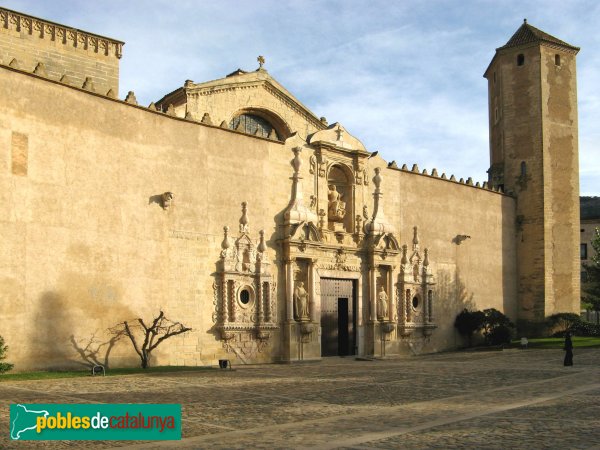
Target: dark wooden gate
pixel 338 303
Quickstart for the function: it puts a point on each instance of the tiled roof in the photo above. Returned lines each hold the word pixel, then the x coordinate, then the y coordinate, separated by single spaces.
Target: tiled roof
pixel 528 33
pixel 590 207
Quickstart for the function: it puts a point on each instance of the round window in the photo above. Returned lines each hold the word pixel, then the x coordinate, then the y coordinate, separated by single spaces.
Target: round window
pixel 245 296
pixel 415 302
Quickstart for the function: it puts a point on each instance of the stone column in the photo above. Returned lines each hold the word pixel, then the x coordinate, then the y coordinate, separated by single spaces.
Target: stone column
pixel 430 305
pixel 268 311
pixel 232 313
pixel 390 291
pixel 373 293
pixel 313 290
pixel 407 305
pixel 289 290
pixel 259 301
pixel 225 299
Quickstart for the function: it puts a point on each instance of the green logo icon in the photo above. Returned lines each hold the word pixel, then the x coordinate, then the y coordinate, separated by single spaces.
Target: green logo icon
pixel 40 422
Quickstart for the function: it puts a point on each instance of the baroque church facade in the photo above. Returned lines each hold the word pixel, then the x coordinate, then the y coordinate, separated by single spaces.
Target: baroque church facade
pixel 274 235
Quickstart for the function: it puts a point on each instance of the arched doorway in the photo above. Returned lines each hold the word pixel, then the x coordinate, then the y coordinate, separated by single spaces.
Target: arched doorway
pixel 338 317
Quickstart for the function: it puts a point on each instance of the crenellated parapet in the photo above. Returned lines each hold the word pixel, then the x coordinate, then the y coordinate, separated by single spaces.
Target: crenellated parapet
pixel 44 29
pixel 66 53
pixel 434 174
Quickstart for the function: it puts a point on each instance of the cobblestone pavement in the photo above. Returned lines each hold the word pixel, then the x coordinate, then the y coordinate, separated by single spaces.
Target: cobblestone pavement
pixel 493 400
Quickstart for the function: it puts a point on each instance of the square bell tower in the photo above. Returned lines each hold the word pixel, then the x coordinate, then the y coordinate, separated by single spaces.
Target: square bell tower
pixel 532 95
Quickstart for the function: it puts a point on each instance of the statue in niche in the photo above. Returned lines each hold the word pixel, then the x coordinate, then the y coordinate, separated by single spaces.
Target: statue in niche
pixel 246 258
pixel 337 208
pixel 382 304
pixel 301 302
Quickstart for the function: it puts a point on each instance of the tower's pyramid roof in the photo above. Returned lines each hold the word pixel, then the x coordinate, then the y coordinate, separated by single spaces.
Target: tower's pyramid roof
pixel 527 34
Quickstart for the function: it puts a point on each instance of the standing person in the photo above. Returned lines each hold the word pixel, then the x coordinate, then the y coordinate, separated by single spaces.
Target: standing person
pixel 568 349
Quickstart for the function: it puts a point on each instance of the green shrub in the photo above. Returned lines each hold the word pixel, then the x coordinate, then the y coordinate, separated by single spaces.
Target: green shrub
pixel 558 324
pixel 497 328
pixel 4 367
pixel 582 328
pixel 493 320
pixel 499 335
pixel 468 322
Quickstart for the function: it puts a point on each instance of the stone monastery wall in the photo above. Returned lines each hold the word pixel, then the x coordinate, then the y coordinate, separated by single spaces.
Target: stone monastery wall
pixel 86 243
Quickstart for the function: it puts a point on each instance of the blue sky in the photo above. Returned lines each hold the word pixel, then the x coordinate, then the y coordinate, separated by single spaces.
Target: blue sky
pixel 405 77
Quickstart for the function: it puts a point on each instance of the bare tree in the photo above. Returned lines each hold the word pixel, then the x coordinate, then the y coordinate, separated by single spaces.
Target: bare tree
pixel 153 334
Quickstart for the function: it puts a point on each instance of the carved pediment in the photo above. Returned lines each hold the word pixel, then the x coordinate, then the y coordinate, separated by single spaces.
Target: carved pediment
pixel 415 269
pixel 243 255
pixel 386 242
pixel 306 231
pixel 336 135
pixel 238 90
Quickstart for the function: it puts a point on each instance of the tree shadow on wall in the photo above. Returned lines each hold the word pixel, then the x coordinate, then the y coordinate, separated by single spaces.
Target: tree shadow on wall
pixel 52 339
pixel 49 335
pixel 452 292
pixel 452 298
pixel 94 351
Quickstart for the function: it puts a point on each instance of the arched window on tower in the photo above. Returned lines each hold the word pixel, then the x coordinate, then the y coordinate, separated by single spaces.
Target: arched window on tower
pixel 523 169
pixel 520 59
pixel 557 60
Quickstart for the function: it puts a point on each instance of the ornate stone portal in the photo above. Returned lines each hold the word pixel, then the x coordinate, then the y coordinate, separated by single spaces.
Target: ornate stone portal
pixel 327 240
pixel 387 295
pixel 244 291
pixel 416 291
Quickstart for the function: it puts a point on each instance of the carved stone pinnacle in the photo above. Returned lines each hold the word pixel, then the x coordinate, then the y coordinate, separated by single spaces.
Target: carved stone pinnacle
pixel 244 218
pixel 377 178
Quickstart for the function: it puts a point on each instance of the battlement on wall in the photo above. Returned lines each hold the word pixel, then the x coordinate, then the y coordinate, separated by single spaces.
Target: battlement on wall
pixel 434 174
pixel 63 51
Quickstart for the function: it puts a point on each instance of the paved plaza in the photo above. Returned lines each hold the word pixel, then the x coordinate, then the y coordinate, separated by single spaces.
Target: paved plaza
pixel 493 400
